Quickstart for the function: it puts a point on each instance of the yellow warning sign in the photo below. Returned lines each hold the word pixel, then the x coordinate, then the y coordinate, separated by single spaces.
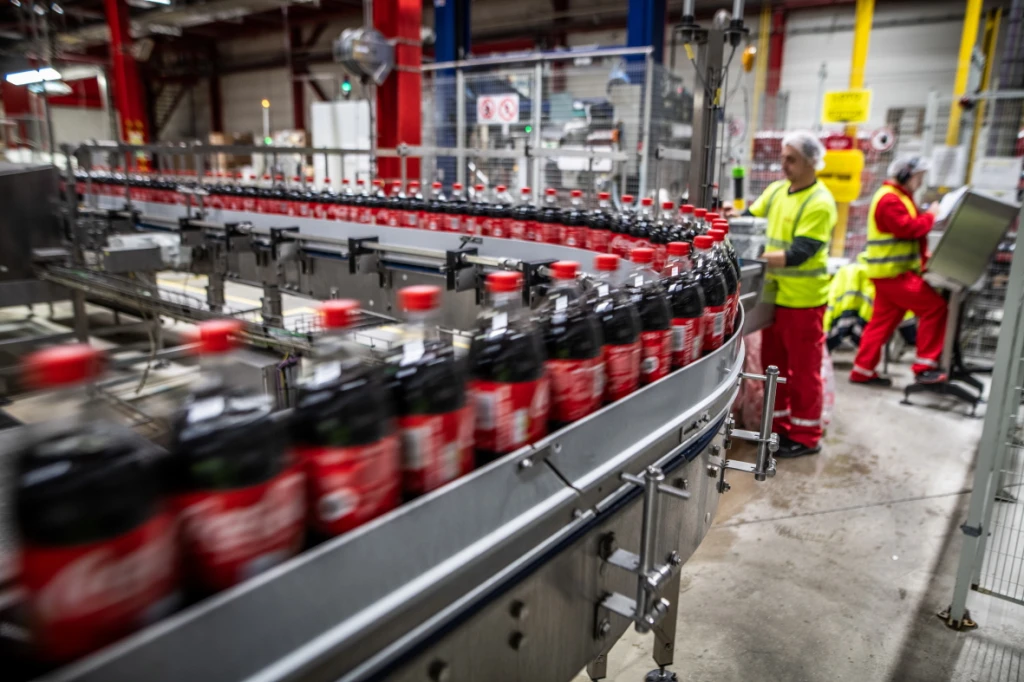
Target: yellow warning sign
pixel 846 106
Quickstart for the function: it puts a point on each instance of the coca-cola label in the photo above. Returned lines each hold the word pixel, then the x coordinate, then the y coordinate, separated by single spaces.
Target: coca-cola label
pixel 520 229
pixel 411 218
pixel 364 215
pixel 534 230
pixel 305 208
pixel 382 216
pixel 730 317
pixel 436 448
pixel 433 221
pixel 687 336
pixel 714 327
pixel 337 212
pixel 231 535
pixel 471 224
pixel 577 387
pixel 549 233
pixel 320 210
pixel 348 486
pixel 575 236
pixel 599 241
pixel 453 223
pixel 622 370
pixel 83 597
pixel 501 228
pixel 509 415
pixel 657 355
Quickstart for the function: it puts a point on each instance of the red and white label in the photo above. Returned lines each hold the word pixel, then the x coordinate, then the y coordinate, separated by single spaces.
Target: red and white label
pixel 549 233
pixel 577 387
pixel 84 597
pixel 364 215
pixel 436 448
pixel 433 221
pixel 509 415
pixel 411 218
pixel 305 208
pixel 598 240
pixel 501 228
pixel 714 326
pixel 472 224
pixel 337 212
pixel 574 236
pixel 520 229
pixel 657 355
pixel 687 336
pixel 453 223
pixel 730 321
pixel 231 535
pixel 622 370
pixel 320 210
pixel 348 486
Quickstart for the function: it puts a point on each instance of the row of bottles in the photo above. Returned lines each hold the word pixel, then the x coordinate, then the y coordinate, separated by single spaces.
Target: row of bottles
pixel 482 212
pixel 112 536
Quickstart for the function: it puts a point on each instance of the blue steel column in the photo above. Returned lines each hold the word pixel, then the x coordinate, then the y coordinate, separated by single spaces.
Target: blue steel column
pixel 645 25
pixel 451 43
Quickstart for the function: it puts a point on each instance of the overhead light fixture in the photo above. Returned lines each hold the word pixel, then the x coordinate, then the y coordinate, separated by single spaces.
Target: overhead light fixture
pixel 57 88
pixel 16 3
pixel 46 73
pixel 57 8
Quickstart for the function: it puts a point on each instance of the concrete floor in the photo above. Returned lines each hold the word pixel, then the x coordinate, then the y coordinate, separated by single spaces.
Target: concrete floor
pixel 835 569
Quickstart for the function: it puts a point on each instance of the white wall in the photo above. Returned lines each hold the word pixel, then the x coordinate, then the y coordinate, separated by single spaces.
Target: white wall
pixel 904 62
pixel 74 124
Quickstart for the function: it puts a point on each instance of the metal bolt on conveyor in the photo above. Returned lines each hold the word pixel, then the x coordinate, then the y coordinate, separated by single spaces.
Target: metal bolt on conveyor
pixel 767 442
pixel 648 608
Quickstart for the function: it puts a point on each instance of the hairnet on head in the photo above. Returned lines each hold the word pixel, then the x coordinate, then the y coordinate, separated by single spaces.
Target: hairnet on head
pixel 808 146
pixel 911 165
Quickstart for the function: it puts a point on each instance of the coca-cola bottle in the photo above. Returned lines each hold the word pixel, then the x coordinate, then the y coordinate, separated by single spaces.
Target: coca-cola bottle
pixel 700 225
pixel 730 250
pixel 434 218
pixel 239 493
pixel 280 196
pixel 686 225
pixel 325 202
pixel 428 387
pixel 643 225
pixel 524 217
pixel 343 430
pixel 507 378
pixel 378 203
pixel 732 277
pixel 549 219
pixel 622 240
pixel 263 195
pixel 346 203
pixel 686 298
pixel 414 205
pixel 96 539
pixel 294 197
pixel 599 224
pixel 499 213
pixel 396 204
pixel 573 338
pixel 476 213
pixel 620 326
pixel 362 203
pixel 455 209
pixel 644 287
pixel 662 234
pixel 716 292
pixel 574 220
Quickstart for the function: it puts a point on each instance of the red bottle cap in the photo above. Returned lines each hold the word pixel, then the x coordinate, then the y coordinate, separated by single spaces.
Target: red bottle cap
pixel 501 188
pixel 295 178
pixel 63 365
pixel 667 205
pixel 344 181
pixel 722 225
pixel 711 216
pixel 218 336
pixel 606 262
pixel 376 183
pixel 703 242
pixel 436 185
pixel 717 235
pixel 525 190
pixel 627 198
pixel 564 269
pixel 551 191
pixel 642 255
pixel 327 181
pixel 279 178
pixel 360 182
pixel 576 193
pixel 506 280
pixel 604 196
pixel 309 178
pixel 420 297
pixel 457 186
pixel 266 176
pixel 414 183
pixel 700 212
pixel 396 183
pixel 339 313
pixel 678 249
pixel 478 188
pixel 647 201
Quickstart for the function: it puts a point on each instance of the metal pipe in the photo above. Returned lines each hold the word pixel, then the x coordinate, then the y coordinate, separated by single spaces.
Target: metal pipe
pixel 460 126
pixel 539 57
pixel 645 150
pixel 737 10
pixel 688 9
pixel 771 374
pixel 536 111
pixel 648 540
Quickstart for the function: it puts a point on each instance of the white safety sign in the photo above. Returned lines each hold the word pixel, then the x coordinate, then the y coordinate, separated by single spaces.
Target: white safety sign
pixel 497 109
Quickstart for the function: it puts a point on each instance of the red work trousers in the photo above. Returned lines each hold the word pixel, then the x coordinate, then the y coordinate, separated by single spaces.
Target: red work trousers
pixel 894 296
pixel 795 344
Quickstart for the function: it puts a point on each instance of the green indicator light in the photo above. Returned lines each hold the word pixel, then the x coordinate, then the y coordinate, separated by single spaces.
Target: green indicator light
pixel 529 129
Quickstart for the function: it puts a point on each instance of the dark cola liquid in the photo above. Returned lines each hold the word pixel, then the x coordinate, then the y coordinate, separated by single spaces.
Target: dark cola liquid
pixel 226 438
pixel 572 334
pixel 728 270
pixel 652 304
pixel 342 408
pixel 575 221
pixel 618 316
pixel 526 214
pixel 550 218
pixel 685 295
pixel 432 383
pixel 599 219
pixel 712 281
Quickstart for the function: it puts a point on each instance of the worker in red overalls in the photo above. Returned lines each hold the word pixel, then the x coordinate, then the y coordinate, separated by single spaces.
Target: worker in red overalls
pixel 896 251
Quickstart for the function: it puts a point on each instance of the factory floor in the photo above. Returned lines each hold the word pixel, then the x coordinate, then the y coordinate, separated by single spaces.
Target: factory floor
pixel 835 569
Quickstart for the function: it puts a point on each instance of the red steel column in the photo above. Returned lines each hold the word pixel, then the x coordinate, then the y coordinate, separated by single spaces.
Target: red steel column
pixel 775 46
pixel 128 92
pixel 399 98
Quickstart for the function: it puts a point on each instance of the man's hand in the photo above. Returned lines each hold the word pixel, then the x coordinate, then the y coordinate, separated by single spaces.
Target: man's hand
pixel 728 211
pixel 775 259
pixel 933 208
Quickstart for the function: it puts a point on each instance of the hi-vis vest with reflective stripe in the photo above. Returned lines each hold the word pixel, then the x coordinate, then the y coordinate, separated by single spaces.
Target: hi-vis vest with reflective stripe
pixel 888 256
pixel 805 285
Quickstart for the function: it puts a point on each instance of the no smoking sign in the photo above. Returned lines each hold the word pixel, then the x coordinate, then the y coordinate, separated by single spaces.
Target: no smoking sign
pixel 497 109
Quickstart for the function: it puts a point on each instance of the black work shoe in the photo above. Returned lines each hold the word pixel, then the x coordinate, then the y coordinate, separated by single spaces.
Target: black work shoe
pixel 790 449
pixel 931 376
pixel 883 382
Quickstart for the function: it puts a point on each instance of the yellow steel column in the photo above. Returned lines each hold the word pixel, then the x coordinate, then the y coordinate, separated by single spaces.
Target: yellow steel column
pixel 760 72
pixel 988 45
pixel 865 14
pixel 969 36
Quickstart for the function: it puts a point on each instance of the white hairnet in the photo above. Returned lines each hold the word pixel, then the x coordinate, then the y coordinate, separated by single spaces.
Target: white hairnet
pixel 808 146
pixel 909 165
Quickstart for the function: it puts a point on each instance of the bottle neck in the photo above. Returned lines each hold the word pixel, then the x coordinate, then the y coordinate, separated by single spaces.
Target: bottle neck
pixel 604 204
pixel 421 325
pixel 508 302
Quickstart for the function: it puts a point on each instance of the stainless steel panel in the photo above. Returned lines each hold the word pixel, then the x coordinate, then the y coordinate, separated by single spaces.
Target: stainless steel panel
pixel 28 221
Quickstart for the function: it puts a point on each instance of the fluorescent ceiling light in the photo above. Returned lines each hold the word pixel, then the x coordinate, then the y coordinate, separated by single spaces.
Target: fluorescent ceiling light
pixel 25 77
pixel 51 88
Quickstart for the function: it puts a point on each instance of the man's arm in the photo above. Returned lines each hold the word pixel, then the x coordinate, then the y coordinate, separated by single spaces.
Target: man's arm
pixel 892 217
